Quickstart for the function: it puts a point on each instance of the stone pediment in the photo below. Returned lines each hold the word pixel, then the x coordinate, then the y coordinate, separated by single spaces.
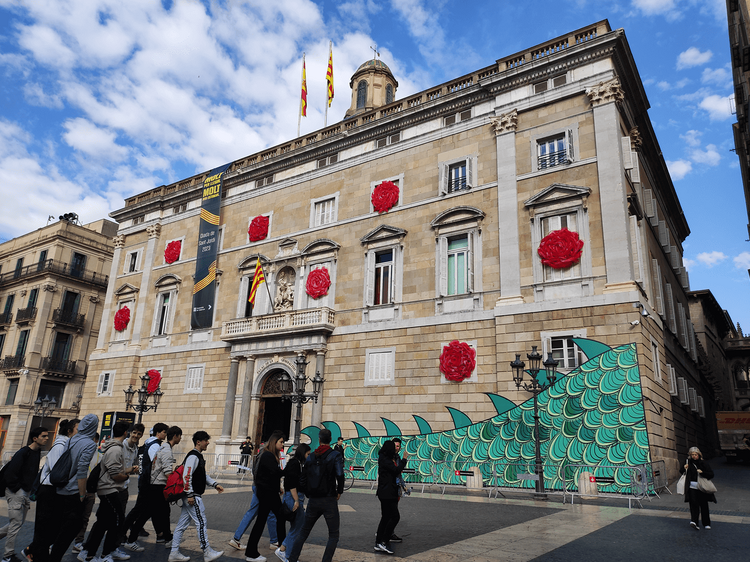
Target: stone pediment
pixel 458 215
pixel 556 193
pixel 250 261
pixel 382 232
pixel 287 248
pixel 321 245
pixel 168 279
pixel 125 289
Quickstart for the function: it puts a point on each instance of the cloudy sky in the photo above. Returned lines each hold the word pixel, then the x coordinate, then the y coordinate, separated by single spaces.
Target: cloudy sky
pixel 102 99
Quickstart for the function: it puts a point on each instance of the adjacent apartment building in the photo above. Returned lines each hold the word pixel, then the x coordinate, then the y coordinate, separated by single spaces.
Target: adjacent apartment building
pixel 413 223
pixel 52 287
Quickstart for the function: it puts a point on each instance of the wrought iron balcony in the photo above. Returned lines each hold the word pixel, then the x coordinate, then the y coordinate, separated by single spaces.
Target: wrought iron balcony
pixel 553 159
pixel 457 184
pixel 13 361
pixel 291 321
pixel 25 314
pixel 68 318
pixel 57 268
pixel 59 367
pixel 6 318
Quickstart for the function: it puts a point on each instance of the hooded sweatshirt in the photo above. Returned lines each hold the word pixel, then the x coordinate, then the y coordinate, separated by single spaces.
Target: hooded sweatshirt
pixel 129 457
pixel 112 464
pixel 82 449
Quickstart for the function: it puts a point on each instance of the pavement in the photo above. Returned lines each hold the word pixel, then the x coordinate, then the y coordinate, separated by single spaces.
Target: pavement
pixel 461 525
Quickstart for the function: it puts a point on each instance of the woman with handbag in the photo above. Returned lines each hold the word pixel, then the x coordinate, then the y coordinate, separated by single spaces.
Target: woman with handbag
pixel 698 488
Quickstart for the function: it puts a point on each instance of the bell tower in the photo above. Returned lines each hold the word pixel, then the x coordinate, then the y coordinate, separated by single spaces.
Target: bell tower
pixel 373 86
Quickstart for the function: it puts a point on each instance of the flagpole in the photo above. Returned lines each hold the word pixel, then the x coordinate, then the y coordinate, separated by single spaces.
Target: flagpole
pixel 301 83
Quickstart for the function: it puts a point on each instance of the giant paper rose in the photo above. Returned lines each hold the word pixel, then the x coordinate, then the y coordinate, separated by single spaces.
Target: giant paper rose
pixel 384 196
pixel 258 228
pixel 172 253
pixel 122 319
pixel 155 379
pixel 318 283
pixel 560 249
pixel 457 361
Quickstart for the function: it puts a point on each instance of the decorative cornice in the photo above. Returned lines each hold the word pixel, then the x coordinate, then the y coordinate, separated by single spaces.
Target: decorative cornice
pixel 119 241
pixel 154 230
pixel 505 123
pixel 635 139
pixel 606 92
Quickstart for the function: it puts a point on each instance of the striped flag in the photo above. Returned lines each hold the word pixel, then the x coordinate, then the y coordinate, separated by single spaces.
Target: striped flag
pixel 303 104
pixel 329 75
pixel 258 278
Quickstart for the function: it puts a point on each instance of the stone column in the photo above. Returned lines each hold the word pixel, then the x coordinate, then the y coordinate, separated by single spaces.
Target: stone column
pixel 104 327
pixel 247 391
pixel 226 427
pixel 605 98
pixel 317 407
pixel 507 208
pixel 148 265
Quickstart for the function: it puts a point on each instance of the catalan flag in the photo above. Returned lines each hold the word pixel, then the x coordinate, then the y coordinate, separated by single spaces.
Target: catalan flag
pixel 303 103
pixel 329 74
pixel 258 278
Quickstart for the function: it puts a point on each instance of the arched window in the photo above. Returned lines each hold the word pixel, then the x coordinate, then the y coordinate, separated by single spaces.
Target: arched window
pixel 388 94
pixel 740 376
pixel 361 94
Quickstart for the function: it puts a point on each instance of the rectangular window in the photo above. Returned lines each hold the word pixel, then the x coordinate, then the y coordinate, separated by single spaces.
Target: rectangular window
pixel 555 151
pixel 132 262
pixel 194 379
pixel 267 180
pixel 51 389
pixel 565 352
pixel 42 260
pixel 693 399
pixel 162 312
pixel 77 264
pixel 390 139
pixel 558 222
pixel 61 347
pixel 655 361
pixel 33 296
pixel 701 407
pixel 383 277
pixel 682 390
pixel 458 262
pixel 139 219
pixel 456 117
pixel 10 399
pixel 379 366
pixel 19 267
pixel 540 87
pixel 672 380
pixel 9 303
pixel 2 343
pixel 23 340
pixel 323 162
pixel 559 81
pixel 325 211
pixel 181 208
pixel 457 177
pixel 104 387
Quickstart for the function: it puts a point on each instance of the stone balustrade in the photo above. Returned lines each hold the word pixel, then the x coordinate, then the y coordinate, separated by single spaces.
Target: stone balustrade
pixel 310 319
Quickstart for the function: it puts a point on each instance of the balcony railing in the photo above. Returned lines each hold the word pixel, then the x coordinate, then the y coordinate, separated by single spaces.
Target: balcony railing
pixel 68 318
pixel 13 361
pixel 25 314
pixel 6 318
pixel 57 268
pixel 457 184
pixel 552 159
pixel 60 367
pixel 312 319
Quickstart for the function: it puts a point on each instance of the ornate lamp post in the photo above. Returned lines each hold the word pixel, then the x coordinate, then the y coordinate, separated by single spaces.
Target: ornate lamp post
pixel 294 390
pixel 142 405
pixel 535 387
pixel 43 407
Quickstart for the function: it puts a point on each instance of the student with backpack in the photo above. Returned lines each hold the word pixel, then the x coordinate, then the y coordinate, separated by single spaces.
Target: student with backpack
pixel 323 481
pixel 294 497
pixel 46 495
pixel 267 485
pixel 146 455
pixel 106 484
pixel 18 478
pixel 195 481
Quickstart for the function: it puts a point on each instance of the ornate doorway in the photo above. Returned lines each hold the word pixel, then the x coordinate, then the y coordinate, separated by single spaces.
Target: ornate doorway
pixel 273 412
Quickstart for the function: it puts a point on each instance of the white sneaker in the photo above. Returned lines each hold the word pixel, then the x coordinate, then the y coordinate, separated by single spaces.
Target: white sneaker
pixel 280 554
pixel 177 556
pixel 209 555
pixel 234 543
pixel 168 544
pixel 107 558
pixel 133 546
pixel 77 547
pixel 118 554
pixel 258 559
pixel 82 555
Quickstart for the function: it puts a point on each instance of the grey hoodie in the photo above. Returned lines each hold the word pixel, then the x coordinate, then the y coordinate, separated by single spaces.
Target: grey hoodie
pixel 82 449
pixel 112 464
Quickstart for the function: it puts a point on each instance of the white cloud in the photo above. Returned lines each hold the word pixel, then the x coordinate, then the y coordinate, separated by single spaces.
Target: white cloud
pixel 709 156
pixel 742 261
pixel 35 95
pixel 688 263
pixel 718 107
pixel 678 169
pixel 83 135
pixel 693 57
pixel 719 76
pixel 710 259
pixel 667 8
pixel 691 137
pixel 664 85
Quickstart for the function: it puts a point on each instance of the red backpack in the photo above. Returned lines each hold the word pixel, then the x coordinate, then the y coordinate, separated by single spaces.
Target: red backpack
pixel 175 488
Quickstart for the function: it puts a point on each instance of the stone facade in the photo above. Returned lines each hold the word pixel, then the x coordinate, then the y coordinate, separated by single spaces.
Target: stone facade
pixel 556 136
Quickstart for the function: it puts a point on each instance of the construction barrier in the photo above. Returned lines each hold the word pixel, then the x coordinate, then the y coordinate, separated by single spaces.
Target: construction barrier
pixel 605 481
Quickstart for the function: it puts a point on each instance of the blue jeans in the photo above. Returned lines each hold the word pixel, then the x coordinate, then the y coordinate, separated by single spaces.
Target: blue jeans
pixel 329 508
pixel 298 521
pixel 250 515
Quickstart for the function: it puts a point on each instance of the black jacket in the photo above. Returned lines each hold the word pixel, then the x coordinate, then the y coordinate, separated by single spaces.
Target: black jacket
pixel 292 474
pixel 692 476
pixel 269 473
pixel 22 469
pixel 388 472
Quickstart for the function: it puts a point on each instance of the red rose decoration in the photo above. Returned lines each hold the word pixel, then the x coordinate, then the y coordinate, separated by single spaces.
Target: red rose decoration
pixel 457 361
pixel 560 249
pixel 318 283
pixel 153 384
pixel 172 253
pixel 258 228
pixel 384 196
pixel 122 319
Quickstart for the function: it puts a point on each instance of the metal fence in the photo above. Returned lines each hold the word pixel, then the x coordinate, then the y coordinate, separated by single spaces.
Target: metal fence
pixel 605 481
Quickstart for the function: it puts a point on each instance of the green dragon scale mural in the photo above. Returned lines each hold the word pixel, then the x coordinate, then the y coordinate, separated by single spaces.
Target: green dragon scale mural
pixel 590 419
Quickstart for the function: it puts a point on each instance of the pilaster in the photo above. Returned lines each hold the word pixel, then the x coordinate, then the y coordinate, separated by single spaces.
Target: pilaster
pixel 153 237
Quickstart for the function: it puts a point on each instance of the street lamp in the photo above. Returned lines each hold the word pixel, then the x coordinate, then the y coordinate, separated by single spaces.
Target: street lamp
pixel 44 407
pixel 142 405
pixel 294 390
pixel 535 387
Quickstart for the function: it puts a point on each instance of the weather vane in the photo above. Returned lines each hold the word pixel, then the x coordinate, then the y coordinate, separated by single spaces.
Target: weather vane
pixel 374 51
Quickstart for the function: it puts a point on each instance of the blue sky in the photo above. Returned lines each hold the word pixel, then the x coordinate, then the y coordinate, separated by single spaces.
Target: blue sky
pixel 102 99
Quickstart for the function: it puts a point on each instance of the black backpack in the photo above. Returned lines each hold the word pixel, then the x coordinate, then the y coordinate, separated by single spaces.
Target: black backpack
pixel 93 481
pixel 317 475
pixel 144 464
pixel 2 479
pixel 60 474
